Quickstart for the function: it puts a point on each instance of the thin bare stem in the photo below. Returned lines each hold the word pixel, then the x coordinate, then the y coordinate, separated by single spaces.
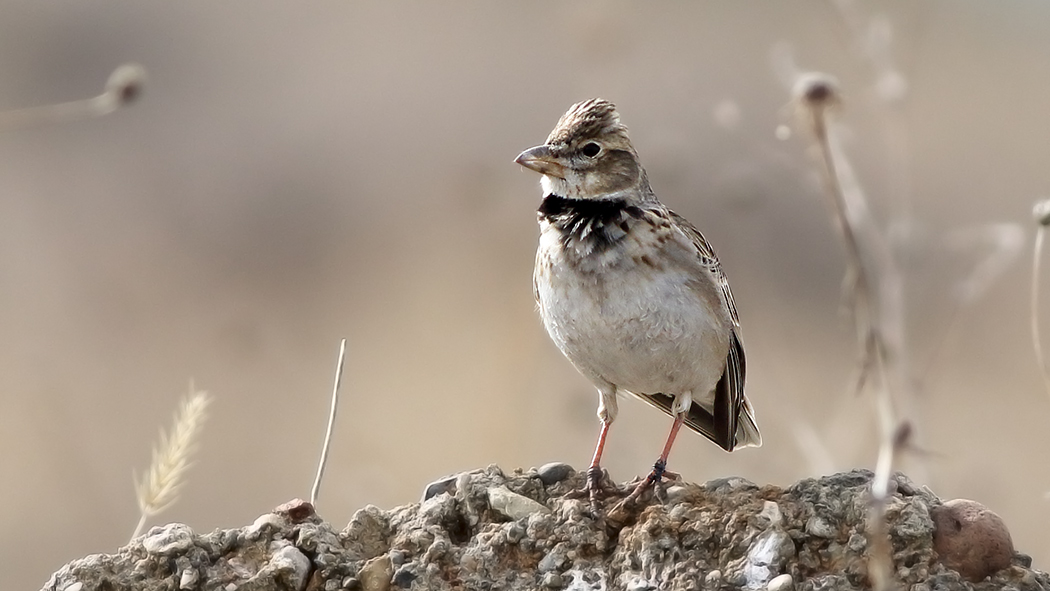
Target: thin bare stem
pixel 158 489
pixel 817 94
pixel 874 291
pixel 881 555
pixel 1041 211
pixel 315 491
pixel 123 87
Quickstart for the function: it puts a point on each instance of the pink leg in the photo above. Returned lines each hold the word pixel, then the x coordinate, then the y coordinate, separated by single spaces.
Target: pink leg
pixel 598 449
pixel 594 473
pixel 661 464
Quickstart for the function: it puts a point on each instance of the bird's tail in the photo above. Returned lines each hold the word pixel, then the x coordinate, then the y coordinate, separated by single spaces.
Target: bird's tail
pixel 747 434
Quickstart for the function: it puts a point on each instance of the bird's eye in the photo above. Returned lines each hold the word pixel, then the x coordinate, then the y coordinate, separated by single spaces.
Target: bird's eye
pixel 591 149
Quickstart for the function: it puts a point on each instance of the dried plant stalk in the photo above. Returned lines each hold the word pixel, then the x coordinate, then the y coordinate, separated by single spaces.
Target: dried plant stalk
pixel 881 562
pixel 159 488
pixel 1041 213
pixel 816 94
pixel 123 86
pixel 874 292
pixel 315 491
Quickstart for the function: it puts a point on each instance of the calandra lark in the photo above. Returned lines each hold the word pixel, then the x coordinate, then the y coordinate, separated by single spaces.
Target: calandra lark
pixel 631 292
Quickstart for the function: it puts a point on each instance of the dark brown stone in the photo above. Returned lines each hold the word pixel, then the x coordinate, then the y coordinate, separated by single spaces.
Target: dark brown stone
pixel 971 539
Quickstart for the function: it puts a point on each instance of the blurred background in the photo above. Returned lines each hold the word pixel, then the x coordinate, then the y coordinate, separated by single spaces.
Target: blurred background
pixel 297 173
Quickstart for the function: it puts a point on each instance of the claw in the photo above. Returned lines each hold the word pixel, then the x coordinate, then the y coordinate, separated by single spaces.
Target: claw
pixel 652 481
pixel 596 488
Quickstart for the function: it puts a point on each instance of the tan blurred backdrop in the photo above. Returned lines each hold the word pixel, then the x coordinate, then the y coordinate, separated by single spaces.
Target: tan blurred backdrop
pixel 296 173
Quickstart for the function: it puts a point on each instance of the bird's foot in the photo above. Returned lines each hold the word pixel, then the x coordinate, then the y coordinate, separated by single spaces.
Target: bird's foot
pixel 627 510
pixel 597 487
pixel 653 482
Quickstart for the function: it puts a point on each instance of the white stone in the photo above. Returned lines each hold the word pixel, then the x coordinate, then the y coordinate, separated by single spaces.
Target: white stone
pixel 292 564
pixel 771 511
pixel 782 582
pixel 189 579
pixel 170 539
pixel 513 505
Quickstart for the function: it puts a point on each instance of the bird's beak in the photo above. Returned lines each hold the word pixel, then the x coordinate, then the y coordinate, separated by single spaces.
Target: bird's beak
pixel 541 160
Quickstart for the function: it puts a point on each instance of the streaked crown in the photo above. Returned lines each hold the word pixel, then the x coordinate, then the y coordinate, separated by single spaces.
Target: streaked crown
pixel 588 119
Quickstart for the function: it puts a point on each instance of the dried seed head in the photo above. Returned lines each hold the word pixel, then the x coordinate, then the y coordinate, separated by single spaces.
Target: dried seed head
pixel 1041 212
pixel 902 435
pixel 125 83
pixel 159 487
pixel 816 90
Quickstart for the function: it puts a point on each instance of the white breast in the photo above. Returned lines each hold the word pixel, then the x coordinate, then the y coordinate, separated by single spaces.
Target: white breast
pixel 643 327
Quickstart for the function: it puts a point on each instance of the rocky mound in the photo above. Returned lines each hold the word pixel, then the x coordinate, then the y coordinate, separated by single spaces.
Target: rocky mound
pixel 488 530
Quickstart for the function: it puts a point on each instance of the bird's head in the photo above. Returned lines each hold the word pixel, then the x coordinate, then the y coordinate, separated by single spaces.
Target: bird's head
pixel 587 156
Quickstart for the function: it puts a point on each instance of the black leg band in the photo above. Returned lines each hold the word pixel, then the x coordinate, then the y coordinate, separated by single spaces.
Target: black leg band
pixel 658 471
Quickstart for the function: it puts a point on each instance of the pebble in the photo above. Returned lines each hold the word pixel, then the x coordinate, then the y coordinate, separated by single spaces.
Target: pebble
pixel 712 579
pixel 553 581
pixel 905 486
pixel 729 484
pixel 820 527
pixel 170 539
pixel 782 582
pixel 296 510
pixel 515 533
pixel 767 556
pixel 403 577
pixel 262 523
pixel 555 472
pixel 293 565
pixel 375 575
pixel 771 512
pixel 676 494
pixel 512 505
pixel 442 485
pixel 188 580
pixel 640 584
pixel 552 561
pixel 462 488
pixel 971 539
pixel 857 542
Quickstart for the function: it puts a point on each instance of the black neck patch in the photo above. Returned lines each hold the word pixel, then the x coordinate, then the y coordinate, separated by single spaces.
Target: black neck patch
pixel 556 206
pixel 589 225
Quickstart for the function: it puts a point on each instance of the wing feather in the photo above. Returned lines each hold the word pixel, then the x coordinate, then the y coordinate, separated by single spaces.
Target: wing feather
pixel 730 422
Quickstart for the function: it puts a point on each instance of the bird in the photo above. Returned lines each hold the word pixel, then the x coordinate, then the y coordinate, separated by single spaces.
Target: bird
pixel 631 292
